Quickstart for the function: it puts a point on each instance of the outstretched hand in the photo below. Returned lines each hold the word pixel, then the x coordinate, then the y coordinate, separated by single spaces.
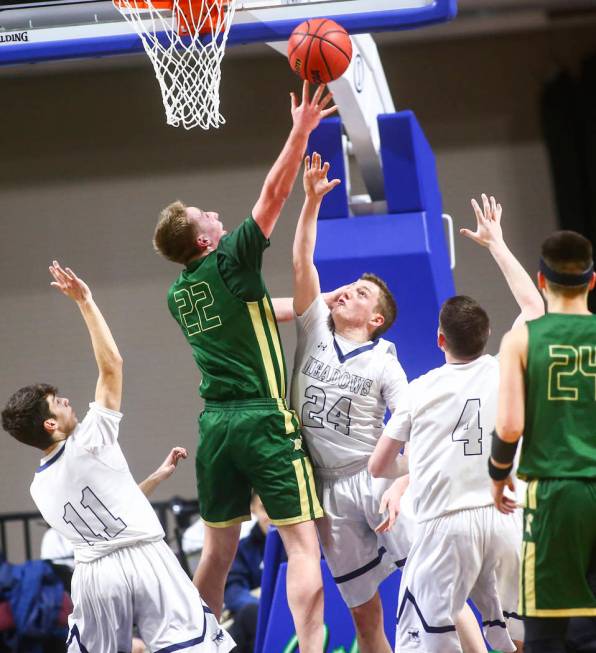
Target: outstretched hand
pixel 316 184
pixel 67 282
pixel 488 222
pixel 168 467
pixel 308 114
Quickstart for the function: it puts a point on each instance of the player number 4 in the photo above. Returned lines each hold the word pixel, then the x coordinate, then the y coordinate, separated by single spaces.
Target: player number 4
pixel 468 429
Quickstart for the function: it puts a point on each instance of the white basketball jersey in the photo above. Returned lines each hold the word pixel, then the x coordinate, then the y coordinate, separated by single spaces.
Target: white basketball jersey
pixel 449 418
pixel 85 490
pixel 340 390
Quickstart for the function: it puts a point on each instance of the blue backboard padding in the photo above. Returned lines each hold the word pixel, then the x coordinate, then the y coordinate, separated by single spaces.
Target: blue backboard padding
pixel 340 633
pixel 273 558
pixel 396 248
pixel 28 52
pixel 403 173
pixel 411 184
pixel 326 140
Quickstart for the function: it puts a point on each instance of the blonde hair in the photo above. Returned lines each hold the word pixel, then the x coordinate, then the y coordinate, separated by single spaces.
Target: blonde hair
pixel 174 235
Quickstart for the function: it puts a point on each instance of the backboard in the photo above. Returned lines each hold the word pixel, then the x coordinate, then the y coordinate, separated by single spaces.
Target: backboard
pixel 44 30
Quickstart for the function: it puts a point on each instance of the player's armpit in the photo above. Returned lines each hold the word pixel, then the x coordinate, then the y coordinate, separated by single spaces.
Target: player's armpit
pixel 283 308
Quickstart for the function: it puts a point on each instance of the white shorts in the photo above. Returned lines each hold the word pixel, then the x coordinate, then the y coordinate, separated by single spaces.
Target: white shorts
pixel 453 558
pixel 144 585
pixel 358 558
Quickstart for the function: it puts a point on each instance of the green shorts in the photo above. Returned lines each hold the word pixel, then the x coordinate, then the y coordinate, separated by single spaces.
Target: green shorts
pixel 558 546
pixel 253 444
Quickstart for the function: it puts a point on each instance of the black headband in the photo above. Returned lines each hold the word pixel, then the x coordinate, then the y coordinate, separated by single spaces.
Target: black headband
pixel 563 279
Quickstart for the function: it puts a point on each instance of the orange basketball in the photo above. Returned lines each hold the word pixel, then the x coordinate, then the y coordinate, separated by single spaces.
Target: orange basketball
pixel 319 50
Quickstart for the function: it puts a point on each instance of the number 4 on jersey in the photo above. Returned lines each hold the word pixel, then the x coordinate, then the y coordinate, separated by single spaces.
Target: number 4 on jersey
pixel 468 429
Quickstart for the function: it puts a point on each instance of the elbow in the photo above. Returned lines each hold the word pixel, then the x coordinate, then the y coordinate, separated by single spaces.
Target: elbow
pixel 277 193
pixel 117 362
pixel 374 468
pixel 113 365
pixel 510 431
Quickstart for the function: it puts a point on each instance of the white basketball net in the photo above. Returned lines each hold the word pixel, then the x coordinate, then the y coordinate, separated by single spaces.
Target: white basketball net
pixel 186 43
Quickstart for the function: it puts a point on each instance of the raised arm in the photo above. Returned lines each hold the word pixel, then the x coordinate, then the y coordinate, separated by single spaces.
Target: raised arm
pixel 306 277
pixel 108 392
pixel 489 234
pixel 280 180
pixel 164 471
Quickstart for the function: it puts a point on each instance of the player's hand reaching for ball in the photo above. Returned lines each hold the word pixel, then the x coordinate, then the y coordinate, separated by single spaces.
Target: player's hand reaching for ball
pixel 488 223
pixel 316 184
pixel 308 114
pixel 67 282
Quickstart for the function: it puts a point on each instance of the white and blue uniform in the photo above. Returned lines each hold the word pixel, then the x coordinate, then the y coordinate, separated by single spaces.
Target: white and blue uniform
pixel 463 546
pixel 341 390
pixel 125 573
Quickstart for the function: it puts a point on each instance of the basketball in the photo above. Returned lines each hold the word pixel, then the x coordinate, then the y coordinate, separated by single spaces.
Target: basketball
pixel 319 50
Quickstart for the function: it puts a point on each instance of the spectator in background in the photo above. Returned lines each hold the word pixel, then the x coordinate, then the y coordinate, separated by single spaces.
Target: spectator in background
pixel 244 578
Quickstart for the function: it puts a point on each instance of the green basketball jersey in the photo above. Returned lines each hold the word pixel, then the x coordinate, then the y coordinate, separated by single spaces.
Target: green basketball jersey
pixel 560 428
pixel 235 341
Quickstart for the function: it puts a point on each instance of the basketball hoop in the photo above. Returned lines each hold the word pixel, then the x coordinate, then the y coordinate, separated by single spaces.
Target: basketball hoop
pixel 185 40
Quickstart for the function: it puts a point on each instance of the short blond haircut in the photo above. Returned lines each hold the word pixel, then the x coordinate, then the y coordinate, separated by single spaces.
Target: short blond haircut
pixel 386 305
pixel 174 236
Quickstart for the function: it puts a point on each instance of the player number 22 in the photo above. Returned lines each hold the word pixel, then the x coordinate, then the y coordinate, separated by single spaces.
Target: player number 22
pixel 468 429
pixel 192 303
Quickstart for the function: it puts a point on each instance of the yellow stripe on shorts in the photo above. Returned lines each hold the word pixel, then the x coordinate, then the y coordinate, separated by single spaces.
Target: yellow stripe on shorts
pixel 532 501
pixel 257 324
pixel 311 485
pixel 304 502
pixel 529 577
pixel 289 422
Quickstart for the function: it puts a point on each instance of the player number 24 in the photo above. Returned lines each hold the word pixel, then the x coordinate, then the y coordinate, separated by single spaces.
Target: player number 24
pixel 568 365
pixel 338 415
pixel 192 303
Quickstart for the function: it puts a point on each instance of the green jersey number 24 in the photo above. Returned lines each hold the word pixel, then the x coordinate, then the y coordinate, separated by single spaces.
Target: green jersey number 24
pixel 569 364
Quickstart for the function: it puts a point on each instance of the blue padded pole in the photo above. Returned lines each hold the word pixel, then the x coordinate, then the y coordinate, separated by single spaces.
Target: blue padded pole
pixel 411 184
pixel 326 140
pixel 272 559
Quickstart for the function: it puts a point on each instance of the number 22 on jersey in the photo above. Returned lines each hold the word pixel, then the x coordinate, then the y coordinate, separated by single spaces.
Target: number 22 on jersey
pixel 192 303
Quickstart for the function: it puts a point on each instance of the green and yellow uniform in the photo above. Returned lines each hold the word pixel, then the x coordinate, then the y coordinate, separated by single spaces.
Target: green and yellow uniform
pixel 559 460
pixel 247 436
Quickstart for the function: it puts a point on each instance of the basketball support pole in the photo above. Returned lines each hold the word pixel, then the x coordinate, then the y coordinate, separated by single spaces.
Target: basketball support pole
pixel 361 94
